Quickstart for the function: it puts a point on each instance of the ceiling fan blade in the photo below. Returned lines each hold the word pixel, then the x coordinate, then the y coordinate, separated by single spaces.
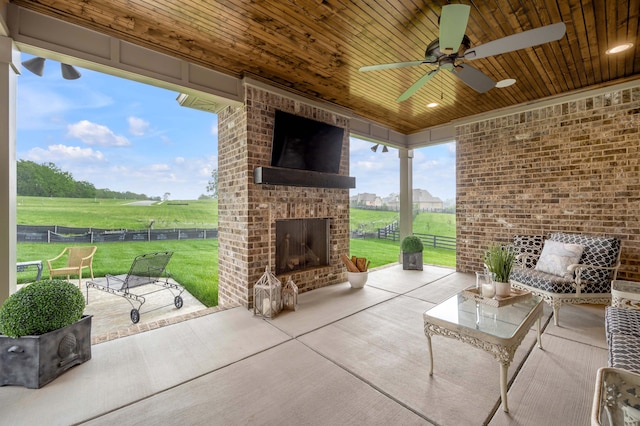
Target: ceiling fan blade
pixel 415 86
pixel 473 78
pixel 453 24
pixel 394 65
pixel 518 41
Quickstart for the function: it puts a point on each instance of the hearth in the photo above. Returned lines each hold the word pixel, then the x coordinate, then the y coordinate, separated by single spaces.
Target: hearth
pixel 301 244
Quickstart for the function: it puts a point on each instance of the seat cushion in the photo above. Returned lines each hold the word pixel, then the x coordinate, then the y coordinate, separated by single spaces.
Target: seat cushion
pixel 621 321
pixel 542 280
pixel 557 256
pixel 624 352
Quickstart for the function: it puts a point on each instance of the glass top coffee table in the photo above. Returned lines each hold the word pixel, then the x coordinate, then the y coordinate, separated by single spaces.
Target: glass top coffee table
pixel 497 330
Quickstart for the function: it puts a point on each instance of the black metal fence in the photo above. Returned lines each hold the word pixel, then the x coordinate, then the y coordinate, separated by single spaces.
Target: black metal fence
pixel 389 232
pixel 63 234
pixel 392 232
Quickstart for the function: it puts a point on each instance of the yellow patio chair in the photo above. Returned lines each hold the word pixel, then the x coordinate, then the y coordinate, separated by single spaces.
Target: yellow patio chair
pixel 78 259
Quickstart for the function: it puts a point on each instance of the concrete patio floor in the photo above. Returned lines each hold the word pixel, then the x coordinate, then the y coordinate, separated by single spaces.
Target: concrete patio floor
pixel 345 357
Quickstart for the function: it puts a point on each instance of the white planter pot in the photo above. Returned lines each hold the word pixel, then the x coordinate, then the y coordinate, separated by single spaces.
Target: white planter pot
pixel 357 279
pixel 503 289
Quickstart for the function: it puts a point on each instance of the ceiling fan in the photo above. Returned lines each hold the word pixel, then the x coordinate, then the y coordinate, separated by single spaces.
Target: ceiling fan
pixel 452 47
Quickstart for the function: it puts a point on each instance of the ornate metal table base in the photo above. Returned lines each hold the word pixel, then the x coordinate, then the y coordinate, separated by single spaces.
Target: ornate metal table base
pixel 503 350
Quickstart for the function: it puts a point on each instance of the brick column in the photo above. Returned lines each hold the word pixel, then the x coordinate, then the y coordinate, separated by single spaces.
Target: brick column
pixel 247 212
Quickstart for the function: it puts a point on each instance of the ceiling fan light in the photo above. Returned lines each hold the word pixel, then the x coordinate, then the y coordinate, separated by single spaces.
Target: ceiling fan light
pixel 432 105
pixel 69 72
pixel 619 48
pixel 375 147
pixel 35 65
pixel 506 82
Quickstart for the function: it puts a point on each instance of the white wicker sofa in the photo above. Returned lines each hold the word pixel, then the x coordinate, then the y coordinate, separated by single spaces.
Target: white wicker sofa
pixel 554 273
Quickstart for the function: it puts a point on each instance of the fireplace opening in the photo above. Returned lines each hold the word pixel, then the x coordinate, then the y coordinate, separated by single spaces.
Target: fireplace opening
pixel 301 244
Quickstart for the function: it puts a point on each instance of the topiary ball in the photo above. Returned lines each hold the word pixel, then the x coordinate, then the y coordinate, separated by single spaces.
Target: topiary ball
pixel 411 244
pixel 41 307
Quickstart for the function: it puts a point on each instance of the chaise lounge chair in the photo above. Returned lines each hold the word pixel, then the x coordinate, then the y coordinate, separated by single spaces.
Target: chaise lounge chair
pixel 146 269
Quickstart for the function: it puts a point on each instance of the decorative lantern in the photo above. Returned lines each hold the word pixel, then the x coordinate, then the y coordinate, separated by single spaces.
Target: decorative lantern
pixel 267 299
pixel 290 295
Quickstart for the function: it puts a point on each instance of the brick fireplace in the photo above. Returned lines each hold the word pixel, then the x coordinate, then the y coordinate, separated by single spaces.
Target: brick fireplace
pixel 248 212
pixel 301 244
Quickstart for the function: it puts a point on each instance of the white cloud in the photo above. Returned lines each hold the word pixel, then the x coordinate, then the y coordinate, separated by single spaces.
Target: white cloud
pixel 179 160
pixel 62 153
pixel 137 126
pixel 159 167
pixel 95 134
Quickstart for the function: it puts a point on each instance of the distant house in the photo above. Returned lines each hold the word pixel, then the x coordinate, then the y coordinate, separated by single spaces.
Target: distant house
pixel 425 201
pixel 365 200
pixel 422 200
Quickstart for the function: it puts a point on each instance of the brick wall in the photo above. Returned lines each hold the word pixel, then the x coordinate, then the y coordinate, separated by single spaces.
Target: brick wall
pixel 572 167
pixel 247 212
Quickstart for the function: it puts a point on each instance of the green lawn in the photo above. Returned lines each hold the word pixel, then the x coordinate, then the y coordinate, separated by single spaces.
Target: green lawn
pixel 195 262
pixel 116 214
pixel 383 252
pixel 435 224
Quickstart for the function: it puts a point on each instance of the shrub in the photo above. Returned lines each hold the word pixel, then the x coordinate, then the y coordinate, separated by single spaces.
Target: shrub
pixel 412 244
pixel 41 307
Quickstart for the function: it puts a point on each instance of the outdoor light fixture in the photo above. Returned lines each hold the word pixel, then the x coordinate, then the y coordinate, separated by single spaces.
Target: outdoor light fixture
pixel 36 66
pixel 619 48
pixel 385 149
pixel 505 83
pixel 375 147
pixel 69 72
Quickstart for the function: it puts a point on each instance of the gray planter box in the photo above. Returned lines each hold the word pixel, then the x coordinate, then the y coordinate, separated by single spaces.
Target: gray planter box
pixel 34 361
pixel 412 261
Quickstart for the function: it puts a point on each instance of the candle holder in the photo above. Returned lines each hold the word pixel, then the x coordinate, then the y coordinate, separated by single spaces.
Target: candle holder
pixel 290 295
pixel 267 298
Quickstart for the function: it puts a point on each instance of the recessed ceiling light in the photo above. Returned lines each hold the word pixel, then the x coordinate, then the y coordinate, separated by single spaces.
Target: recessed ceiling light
pixel 432 105
pixel 506 82
pixel 619 48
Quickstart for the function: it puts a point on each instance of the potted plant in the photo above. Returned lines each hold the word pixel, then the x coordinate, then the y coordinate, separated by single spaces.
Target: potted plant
pixel 43 333
pixel 412 253
pixel 499 260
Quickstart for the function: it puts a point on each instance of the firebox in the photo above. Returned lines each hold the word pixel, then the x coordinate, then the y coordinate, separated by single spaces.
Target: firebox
pixel 301 244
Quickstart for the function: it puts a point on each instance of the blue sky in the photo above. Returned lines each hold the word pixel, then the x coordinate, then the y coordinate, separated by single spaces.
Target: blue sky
pixel 128 136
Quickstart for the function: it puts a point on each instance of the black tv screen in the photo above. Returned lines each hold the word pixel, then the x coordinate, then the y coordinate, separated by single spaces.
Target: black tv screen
pixel 306 144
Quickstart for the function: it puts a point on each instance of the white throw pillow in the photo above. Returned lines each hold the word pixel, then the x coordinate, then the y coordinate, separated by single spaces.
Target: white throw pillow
pixel 557 256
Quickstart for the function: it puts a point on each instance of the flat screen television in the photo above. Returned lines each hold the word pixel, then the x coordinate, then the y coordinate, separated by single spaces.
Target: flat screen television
pixel 306 144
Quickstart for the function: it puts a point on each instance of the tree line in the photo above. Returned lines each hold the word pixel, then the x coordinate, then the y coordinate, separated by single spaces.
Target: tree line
pixel 47 180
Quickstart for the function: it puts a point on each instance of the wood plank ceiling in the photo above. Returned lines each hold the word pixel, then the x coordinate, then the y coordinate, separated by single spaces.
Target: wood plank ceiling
pixel 315 47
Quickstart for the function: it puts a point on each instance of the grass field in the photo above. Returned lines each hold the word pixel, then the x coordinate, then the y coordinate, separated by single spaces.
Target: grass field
pixel 116 214
pixel 195 262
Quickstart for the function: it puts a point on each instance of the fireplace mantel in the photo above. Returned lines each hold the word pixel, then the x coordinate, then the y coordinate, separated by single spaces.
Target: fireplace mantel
pixel 294 177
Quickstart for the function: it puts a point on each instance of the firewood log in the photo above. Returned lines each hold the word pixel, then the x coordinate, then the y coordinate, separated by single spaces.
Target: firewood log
pixel 349 264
